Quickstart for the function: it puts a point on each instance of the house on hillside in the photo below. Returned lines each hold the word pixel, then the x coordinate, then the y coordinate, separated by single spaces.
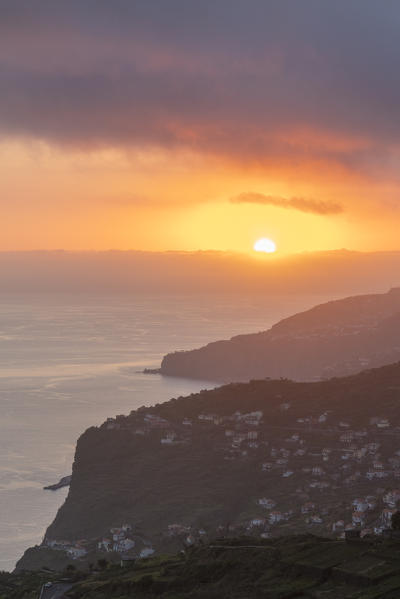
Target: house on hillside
pixel 146 552
pixel 338 526
pixel 276 517
pixel 253 418
pixel 386 516
pixel 317 471
pixel 207 417
pixel 124 545
pixel 105 545
pixel 315 519
pixel 360 505
pixel 255 522
pixel 357 518
pixel 266 466
pixel 308 507
pixel 154 421
pixel 268 504
pixel 170 437
pixel 76 552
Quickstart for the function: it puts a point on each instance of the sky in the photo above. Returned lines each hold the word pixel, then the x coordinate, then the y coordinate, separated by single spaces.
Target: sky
pixel 183 125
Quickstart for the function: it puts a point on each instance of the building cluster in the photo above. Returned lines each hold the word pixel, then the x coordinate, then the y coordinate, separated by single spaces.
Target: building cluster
pixel 318 471
pixel 121 540
pixel 73 549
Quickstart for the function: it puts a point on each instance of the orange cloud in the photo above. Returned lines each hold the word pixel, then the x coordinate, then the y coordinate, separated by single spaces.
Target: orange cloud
pixel 295 203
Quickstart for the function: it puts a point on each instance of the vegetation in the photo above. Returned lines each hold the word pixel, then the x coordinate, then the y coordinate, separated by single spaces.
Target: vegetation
pixel 241 568
pixel 396 521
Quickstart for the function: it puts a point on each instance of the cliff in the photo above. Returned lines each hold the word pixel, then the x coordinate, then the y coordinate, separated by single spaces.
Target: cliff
pixel 334 339
pixel 262 458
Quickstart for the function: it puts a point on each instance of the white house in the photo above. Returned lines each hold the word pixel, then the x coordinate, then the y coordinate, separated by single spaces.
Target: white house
pixel 360 505
pixel 125 545
pixel 276 517
pixel 117 534
pixel 268 504
pixel 146 552
pixel 386 516
pixel 169 438
pixel 338 525
pixel 256 522
pixel 392 498
pixel 307 507
pixel 317 471
pixel 315 519
pixel 76 552
pixel 357 517
pixel 105 545
pixel 266 466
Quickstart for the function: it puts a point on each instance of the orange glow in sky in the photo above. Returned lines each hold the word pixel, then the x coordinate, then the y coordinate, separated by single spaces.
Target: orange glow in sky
pixel 162 200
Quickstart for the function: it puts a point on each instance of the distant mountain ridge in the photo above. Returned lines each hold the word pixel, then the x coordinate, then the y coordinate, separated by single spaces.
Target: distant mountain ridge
pixel 337 338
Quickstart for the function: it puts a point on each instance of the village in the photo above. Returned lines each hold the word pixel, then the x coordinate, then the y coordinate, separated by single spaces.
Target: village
pixel 319 473
pixel 121 540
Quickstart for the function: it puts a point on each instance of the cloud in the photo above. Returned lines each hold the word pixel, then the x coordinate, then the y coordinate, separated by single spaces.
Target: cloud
pixel 235 79
pixel 301 204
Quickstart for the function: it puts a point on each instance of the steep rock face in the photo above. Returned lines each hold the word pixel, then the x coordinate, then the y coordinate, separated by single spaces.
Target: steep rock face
pixel 202 463
pixel 333 339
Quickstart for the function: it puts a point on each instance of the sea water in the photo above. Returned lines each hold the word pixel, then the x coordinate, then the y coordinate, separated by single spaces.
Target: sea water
pixel 69 362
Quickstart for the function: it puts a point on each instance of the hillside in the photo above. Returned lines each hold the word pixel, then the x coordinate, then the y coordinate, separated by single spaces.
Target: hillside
pixel 303 566
pixel 334 339
pixel 264 458
pixel 237 568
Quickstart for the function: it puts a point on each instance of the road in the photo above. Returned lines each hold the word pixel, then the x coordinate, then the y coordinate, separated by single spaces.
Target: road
pixel 56 591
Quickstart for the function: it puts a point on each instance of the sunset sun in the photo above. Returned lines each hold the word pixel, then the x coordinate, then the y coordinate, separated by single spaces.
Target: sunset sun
pixel 264 245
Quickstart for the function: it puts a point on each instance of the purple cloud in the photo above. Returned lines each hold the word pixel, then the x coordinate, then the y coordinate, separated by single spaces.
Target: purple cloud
pixel 217 76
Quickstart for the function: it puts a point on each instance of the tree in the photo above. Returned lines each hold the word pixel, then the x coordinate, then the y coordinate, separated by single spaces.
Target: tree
pixel 102 563
pixel 396 521
pixel 70 568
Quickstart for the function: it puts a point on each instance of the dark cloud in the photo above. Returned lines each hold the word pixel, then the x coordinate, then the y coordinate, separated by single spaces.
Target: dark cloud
pixel 301 204
pixel 232 77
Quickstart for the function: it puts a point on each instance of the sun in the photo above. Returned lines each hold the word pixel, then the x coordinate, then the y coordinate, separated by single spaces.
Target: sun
pixel 265 245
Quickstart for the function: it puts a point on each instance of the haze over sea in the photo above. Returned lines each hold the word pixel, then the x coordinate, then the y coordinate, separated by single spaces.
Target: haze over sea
pixel 69 362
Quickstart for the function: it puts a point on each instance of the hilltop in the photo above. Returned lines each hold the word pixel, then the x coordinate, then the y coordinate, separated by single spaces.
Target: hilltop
pixel 264 458
pixel 333 339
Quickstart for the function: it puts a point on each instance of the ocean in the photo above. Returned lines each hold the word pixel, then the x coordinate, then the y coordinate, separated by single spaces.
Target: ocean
pixel 69 362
